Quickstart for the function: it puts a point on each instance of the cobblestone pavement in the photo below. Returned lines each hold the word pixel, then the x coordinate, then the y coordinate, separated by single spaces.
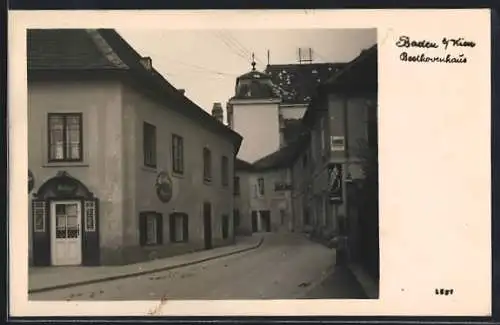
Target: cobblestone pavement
pixel 285 266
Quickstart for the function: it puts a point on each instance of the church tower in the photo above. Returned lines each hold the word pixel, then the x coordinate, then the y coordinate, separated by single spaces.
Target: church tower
pixel 253 112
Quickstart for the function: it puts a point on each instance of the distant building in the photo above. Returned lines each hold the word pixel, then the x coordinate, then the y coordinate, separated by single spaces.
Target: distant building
pixel 125 167
pixel 266 104
pixel 267 110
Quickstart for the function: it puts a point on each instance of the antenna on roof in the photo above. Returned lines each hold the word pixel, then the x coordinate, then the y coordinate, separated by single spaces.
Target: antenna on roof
pixel 268 55
pixel 253 62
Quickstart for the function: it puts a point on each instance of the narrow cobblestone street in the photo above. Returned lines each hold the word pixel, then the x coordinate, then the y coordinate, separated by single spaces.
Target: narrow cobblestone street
pixel 285 266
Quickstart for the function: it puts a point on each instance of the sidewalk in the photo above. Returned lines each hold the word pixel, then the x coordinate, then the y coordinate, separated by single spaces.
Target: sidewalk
pixel 51 278
pixel 339 284
pixel 370 286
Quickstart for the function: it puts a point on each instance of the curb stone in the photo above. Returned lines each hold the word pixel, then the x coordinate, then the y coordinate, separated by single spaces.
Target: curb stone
pixel 133 274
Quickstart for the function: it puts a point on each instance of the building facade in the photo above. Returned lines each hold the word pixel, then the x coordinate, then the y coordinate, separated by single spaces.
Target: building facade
pixel 330 170
pixel 124 167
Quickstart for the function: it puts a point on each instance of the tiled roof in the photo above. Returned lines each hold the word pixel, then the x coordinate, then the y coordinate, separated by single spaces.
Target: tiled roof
pixel 297 83
pixel 104 49
pixel 71 49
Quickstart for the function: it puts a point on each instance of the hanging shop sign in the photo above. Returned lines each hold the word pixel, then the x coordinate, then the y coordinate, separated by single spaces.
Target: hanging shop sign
pixel 164 188
pixel 31 181
pixel 335 183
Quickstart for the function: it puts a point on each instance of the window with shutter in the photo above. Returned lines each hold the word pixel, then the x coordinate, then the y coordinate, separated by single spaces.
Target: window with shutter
pixel 150 228
pixel 179 229
pixel 39 212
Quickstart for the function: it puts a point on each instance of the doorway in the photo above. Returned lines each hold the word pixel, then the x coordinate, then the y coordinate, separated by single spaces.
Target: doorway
pixel 207 224
pixel 265 218
pixel 254 221
pixel 66 237
pixel 225 227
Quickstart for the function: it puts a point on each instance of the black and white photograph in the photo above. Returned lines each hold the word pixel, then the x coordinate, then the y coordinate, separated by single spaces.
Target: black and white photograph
pixel 223 164
pixel 249 163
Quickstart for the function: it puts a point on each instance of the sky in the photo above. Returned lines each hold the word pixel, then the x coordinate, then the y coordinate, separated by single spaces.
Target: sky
pixel 206 63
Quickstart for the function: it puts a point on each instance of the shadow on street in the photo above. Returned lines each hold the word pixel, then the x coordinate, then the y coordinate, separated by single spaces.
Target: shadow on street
pixel 341 284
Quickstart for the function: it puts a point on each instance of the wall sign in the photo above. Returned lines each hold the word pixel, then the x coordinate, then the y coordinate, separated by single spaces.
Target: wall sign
pixel 335 183
pixel 163 186
pixel 337 143
pixel 31 181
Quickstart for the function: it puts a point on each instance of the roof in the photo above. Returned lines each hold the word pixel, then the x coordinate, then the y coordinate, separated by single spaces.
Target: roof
pixel 292 129
pixel 284 157
pixel 297 83
pixel 67 49
pixel 358 76
pixel 72 51
pixel 242 165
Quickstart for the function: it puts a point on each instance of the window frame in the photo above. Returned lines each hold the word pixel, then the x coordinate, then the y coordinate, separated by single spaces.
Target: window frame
pixel 143 228
pixel 177 154
pixel 261 189
pixel 207 165
pixel 64 116
pixel 146 144
pixel 225 171
pixel 184 218
pixel 236 186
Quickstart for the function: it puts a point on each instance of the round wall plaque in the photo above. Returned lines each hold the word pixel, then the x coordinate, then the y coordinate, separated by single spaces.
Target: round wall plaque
pixel 163 186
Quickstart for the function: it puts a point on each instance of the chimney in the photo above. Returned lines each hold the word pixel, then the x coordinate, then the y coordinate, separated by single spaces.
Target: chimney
pixel 147 63
pixel 217 112
pixel 182 91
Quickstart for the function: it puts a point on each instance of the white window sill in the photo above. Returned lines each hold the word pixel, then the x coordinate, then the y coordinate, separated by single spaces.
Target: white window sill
pixel 149 169
pixel 65 164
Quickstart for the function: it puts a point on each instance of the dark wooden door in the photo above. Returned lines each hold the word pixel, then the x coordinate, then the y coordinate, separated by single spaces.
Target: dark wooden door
pixel 207 225
pixel 225 226
pixel 266 220
pixel 254 221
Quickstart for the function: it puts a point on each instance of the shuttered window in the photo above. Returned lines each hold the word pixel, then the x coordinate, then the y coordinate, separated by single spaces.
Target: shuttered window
pixel 179 227
pixel 150 228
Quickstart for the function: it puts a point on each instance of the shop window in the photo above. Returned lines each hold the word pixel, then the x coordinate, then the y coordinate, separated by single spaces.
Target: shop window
pixel 39 211
pixel 90 216
pixel 65 137
pixel 151 228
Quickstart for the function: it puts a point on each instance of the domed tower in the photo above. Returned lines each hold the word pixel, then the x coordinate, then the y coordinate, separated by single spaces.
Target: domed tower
pixel 253 112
